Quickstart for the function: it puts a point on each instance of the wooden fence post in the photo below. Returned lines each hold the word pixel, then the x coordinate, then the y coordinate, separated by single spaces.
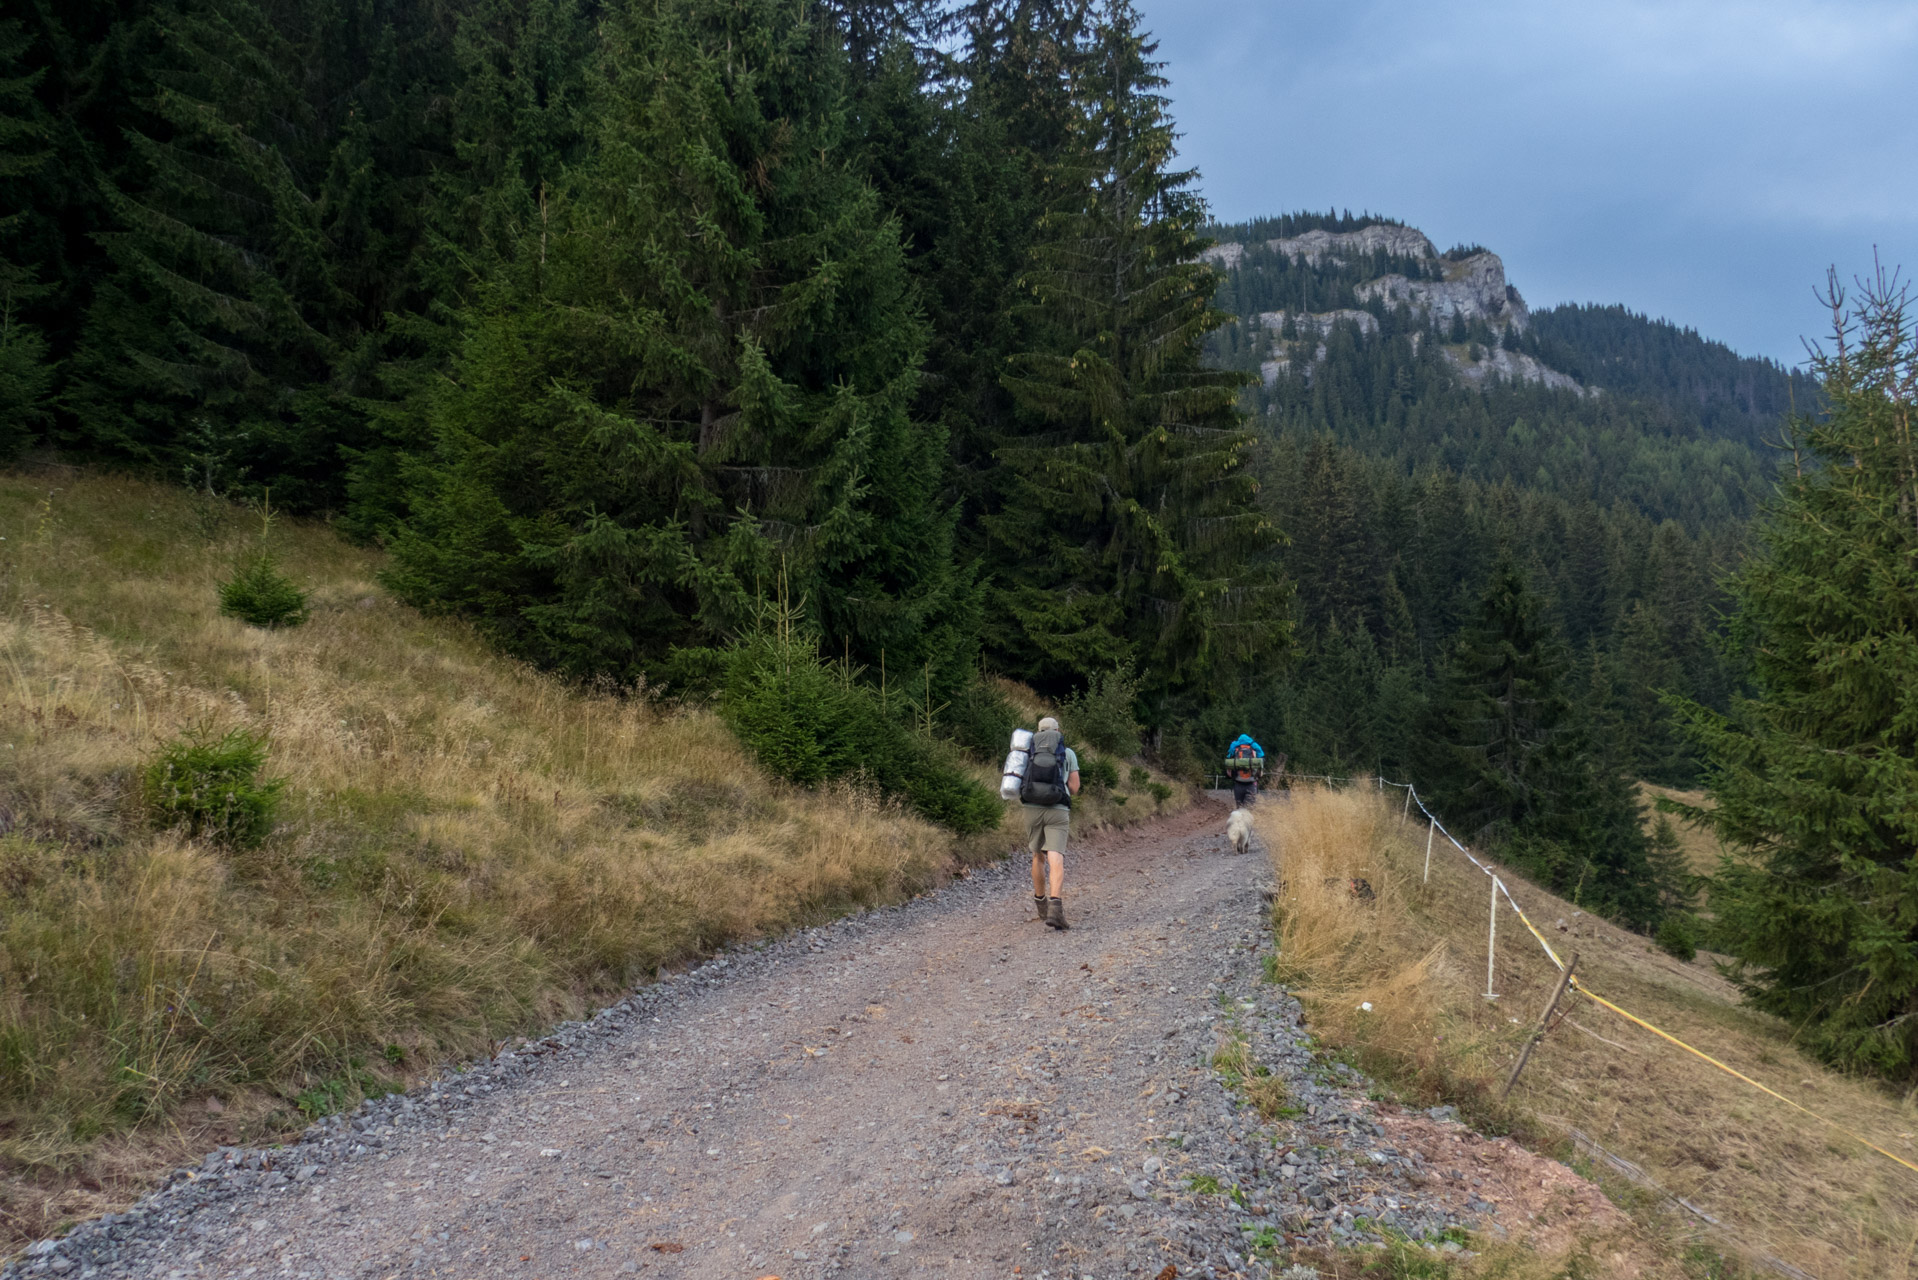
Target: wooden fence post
pixel 1544 1025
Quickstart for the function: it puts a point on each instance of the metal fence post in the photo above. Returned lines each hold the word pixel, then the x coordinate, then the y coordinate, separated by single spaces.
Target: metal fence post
pixel 1429 833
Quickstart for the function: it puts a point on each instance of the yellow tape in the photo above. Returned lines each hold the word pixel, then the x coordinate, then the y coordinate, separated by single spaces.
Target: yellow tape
pixel 1520 912
pixel 1666 1035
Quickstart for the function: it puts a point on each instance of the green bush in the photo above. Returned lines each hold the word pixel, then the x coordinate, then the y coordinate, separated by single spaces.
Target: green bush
pixel 211 786
pixel 981 721
pixel 1101 715
pixel 1098 773
pixel 1160 793
pixel 260 595
pixel 1141 777
pixel 809 722
pixel 1678 936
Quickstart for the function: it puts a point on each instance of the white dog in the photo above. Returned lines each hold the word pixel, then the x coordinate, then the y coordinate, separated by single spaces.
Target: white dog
pixel 1238 829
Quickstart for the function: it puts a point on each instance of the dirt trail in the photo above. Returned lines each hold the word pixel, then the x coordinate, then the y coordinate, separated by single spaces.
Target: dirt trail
pixel 947 1087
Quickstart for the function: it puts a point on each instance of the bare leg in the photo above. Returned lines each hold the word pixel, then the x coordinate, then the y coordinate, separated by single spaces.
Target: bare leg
pixel 1039 876
pixel 1057 862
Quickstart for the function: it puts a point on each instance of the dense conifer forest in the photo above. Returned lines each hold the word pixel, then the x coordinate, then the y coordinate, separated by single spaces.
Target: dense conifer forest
pixel 820 358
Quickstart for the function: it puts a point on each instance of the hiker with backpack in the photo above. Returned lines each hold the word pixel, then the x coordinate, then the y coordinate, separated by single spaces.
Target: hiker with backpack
pixel 1244 762
pixel 1045 797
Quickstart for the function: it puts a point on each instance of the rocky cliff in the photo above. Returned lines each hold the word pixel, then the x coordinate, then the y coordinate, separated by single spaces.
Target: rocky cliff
pixel 1463 288
pixel 1474 288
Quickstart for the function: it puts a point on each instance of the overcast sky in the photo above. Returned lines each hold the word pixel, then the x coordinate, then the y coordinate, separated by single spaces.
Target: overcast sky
pixel 1699 160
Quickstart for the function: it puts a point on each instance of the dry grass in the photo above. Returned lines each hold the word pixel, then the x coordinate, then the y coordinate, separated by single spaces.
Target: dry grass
pixel 468 850
pixel 1783 1185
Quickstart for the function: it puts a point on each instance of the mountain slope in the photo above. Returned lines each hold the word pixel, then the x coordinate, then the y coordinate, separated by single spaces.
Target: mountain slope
pixel 1628 354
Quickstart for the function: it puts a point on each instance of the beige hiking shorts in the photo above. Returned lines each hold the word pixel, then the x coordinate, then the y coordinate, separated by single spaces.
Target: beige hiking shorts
pixel 1046 827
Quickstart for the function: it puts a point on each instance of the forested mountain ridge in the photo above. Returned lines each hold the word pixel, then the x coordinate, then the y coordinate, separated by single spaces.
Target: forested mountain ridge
pixel 1361 326
pixel 1631 355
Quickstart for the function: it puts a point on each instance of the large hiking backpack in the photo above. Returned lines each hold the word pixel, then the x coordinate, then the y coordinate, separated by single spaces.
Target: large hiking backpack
pixel 1046 775
pixel 1245 762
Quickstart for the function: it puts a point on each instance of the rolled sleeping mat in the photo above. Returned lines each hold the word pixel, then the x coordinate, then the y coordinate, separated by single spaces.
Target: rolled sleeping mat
pixel 1022 739
pixel 1013 777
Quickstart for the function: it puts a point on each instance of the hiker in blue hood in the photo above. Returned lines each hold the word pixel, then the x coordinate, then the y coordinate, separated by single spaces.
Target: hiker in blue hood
pixel 1244 762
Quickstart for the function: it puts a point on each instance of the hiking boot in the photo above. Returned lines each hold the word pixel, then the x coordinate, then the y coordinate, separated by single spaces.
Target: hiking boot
pixel 1039 904
pixel 1056 914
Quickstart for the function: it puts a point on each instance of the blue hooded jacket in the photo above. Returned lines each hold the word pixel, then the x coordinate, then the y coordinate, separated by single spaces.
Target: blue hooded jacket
pixel 1242 739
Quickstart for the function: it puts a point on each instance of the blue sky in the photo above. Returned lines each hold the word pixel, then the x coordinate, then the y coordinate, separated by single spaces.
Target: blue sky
pixel 1699 160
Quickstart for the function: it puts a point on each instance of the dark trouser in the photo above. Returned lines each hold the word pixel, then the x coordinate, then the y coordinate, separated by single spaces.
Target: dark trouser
pixel 1244 793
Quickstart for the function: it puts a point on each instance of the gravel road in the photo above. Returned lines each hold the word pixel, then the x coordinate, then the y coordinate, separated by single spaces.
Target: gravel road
pixel 945 1087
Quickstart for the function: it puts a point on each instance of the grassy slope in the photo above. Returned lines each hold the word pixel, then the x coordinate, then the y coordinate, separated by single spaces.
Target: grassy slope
pixel 468 849
pixel 1781 1183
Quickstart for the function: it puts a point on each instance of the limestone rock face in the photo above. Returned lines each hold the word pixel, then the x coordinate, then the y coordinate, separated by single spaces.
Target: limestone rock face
pixel 1316 246
pixel 1511 366
pixel 1474 288
pixel 1323 322
pixel 1305 324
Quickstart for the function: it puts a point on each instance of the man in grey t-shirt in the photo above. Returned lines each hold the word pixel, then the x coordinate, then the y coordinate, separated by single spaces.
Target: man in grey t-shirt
pixel 1046 829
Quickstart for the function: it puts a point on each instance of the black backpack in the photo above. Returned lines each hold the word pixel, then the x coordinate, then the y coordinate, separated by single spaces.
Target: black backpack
pixel 1045 782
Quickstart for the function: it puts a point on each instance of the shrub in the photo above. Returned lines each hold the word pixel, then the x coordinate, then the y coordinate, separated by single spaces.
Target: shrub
pixel 1159 792
pixel 1101 715
pixel 1140 776
pixel 1098 773
pixel 809 722
pixel 1677 936
pixel 211 787
pixel 981 721
pixel 260 595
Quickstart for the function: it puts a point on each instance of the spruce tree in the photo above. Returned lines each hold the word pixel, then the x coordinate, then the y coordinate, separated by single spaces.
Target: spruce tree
pixel 1004 133
pixel 26 372
pixel 256 235
pixel 1512 765
pixel 692 374
pixel 1814 777
pixel 1128 532
pixel 516 124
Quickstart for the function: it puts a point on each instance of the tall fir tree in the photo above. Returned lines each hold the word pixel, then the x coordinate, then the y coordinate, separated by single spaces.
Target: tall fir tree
pixel 1510 763
pixel 692 375
pixel 257 235
pixel 1007 135
pixel 1814 777
pixel 1129 525
pixel 26 372
pixel 516 122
